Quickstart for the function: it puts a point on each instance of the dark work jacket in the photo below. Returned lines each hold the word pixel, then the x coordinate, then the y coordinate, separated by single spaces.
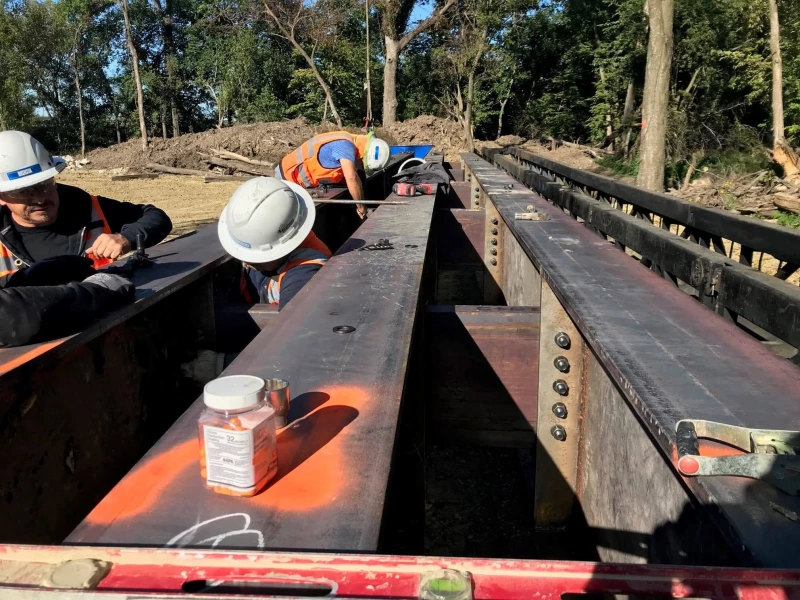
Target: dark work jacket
pixel 36 314
pixel 75 210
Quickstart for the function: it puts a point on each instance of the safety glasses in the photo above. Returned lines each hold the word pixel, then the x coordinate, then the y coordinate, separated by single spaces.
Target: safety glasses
pixel 31 192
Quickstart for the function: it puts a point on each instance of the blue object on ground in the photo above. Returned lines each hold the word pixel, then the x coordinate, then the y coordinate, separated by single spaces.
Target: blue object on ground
pixel 419 151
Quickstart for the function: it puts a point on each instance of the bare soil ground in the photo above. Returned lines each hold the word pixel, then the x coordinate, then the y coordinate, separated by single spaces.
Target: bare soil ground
pixel 188 201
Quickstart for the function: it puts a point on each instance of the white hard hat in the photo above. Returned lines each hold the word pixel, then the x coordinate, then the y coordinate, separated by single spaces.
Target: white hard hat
pixel 377 154
pixel 25 162
pixel 265 220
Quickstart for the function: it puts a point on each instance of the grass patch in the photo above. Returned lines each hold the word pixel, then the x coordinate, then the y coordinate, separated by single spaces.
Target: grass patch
pixel 619 167
pixel 787 219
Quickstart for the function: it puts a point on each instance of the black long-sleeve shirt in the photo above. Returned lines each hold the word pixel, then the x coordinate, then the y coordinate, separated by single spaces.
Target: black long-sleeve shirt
pixel 40 313
pixel 74 213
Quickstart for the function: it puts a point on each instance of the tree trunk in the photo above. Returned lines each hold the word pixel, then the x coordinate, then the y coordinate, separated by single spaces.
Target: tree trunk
pixel 164 118
pixel 76 48
pixel 136 77
pixel 503 103
pixel 609 129
pixel 627 118
pixel 656 95
pixel 394 45
pixel 170 61
pixel 468 134
pixel 368 83
pixel 80 113
pixel 390 81
pixel 782 152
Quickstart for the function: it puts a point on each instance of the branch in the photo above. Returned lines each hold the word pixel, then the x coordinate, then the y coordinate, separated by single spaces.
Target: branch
pixel 424 25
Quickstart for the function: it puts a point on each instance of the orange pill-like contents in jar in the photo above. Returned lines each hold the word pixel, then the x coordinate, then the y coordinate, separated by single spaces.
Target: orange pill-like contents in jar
pixel 238 442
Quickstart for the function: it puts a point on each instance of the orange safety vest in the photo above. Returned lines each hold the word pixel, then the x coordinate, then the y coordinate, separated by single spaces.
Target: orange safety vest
pixel 10 263
pixel 303 167
pixel 312 251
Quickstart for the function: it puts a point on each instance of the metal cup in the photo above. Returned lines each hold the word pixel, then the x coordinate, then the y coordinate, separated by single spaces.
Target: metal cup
pixel 278 397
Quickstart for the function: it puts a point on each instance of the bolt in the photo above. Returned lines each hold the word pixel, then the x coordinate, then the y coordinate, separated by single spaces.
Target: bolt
pixel 494 230
pixel 562 340
pixel 494 262
pixel 561 387
pixel 494 220
pixel 558 432
pixel 477 203
pixel 493 241
pixel 493 251
pixel 562 364
pixel 560 410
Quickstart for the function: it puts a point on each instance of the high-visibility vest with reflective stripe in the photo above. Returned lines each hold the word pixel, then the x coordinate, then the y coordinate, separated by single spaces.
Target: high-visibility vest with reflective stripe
pixel 303 167
pixel 9 262
pixel 311 252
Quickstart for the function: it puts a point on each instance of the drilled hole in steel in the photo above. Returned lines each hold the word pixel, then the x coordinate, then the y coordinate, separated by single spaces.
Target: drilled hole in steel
pixel 344 329
pixel 411 246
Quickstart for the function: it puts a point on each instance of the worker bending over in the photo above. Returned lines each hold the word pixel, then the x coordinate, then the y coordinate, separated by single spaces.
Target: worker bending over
pixel 42 219
pixel 267 225
pixel 331 158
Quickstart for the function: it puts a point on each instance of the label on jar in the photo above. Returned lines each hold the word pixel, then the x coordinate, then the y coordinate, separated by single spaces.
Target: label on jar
pixel 239 459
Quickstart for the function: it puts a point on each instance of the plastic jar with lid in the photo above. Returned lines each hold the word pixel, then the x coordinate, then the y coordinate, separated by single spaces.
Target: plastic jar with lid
pixel 238 442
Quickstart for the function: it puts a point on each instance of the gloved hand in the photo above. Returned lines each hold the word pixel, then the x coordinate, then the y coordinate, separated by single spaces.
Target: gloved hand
pixel 54 271
pixel 113 283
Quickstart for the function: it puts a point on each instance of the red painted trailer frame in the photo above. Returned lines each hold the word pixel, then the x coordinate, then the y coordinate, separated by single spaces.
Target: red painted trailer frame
pixel 25 572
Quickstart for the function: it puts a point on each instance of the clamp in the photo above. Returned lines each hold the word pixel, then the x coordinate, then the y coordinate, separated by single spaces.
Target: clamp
pixel 770 454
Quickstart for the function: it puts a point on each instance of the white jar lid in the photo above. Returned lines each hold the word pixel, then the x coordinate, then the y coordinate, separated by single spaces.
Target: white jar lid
pixel 234 392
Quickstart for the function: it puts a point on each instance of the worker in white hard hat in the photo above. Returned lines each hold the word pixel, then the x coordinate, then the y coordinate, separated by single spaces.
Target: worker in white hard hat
pixel 331 158
pixel 267 225
pixel 41 219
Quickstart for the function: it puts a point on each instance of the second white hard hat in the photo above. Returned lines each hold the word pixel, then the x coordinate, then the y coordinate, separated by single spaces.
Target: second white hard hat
pixel 377 154
pixel 265 220
pixel 25 162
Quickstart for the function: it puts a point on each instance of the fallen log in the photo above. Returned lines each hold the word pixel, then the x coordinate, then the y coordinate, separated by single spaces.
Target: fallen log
pixel 226 164
pixel 130 176
pixel 787 203
pixel 593 152
pixel 175 170
pixel 239 157
pixel 217 178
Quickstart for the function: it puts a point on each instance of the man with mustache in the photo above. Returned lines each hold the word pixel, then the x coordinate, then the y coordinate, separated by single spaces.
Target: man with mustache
pixel 42 219
pixel 52 238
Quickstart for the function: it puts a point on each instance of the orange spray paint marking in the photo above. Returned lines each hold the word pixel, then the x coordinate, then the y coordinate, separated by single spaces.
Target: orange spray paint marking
pixel 311 467
pixel 140 490
pixel 38 350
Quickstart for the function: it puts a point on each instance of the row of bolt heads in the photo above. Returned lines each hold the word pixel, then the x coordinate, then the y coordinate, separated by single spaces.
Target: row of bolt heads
pixel 493 242
pixel 560 386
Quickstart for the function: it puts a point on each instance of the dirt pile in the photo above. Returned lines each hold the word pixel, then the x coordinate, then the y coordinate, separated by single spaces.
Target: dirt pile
pixel 445 135
pixel 263 141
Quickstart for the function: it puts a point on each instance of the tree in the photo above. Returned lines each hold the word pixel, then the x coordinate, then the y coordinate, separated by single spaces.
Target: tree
pixel 394 22
pixel 123 4
pixel 783 154
pixel 655 103
pixel 293 19
pixel 163 9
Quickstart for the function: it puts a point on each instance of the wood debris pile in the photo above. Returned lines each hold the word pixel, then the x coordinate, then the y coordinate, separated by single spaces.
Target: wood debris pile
pixel 759 194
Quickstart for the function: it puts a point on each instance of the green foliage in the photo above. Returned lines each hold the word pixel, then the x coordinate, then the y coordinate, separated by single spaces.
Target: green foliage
pixel 557 68
pixel 787 219
pixel 619 167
